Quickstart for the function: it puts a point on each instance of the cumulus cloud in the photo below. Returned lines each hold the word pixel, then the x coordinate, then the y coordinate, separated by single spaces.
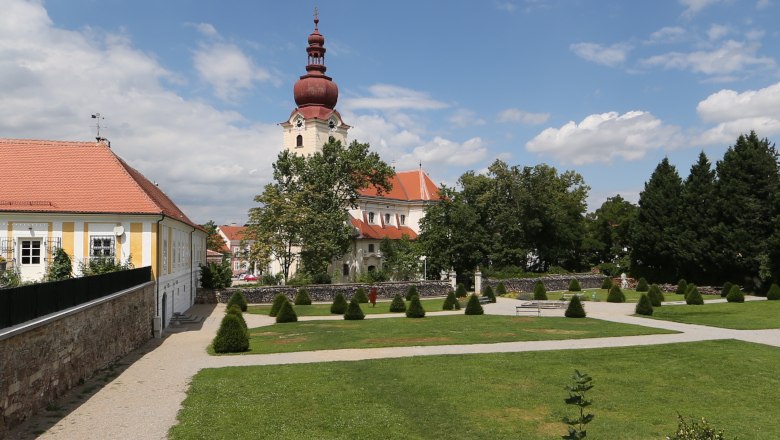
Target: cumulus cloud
pixel 730 57
pixel 445 151
pixel 206 29
pixel 718 31
pixel 517 115
pixel 693 7
pixel 465 118
pixel 611 56
pixel 606 137
pixel 390 97
pixel 736 113
pixel 52 79
pixel 227 69
pixel 665 35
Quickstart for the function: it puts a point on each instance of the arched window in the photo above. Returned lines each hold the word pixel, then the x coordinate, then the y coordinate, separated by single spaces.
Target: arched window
pixel 345 270
pixel 299 141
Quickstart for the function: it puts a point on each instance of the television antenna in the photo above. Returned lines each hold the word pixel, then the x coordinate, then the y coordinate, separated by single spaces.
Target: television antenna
pixel 98 118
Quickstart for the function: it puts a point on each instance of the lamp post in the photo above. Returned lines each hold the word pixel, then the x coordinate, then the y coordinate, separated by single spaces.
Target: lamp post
pixel 424 259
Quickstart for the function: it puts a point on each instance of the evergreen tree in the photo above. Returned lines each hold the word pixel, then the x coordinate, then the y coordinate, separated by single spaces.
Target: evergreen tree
pixel 655 295
pixel 774 293
pixel 451 303
pixel 473 307
pixel 412 291
pixel 286 313
pixel 696 240
pixel 279 299
pixel 607 283
pixel 488 293
pixel 360 296
pixel 642 286
pixel 415 309
pixel 574 285
pixel 460 291
pixel 398 305
pixel 653 246
pixel 236 310
pixel 575 309
pixel 500 289
pixel 540 293
pixel 694 297
pixel 725 289
pixel 237 299
pixel 232 336
pixel 682 288
pixel 354 312
pixel 302 297
pixel 644 306
pixel 735 295
pixel 616 295
pixel 61 267
pixel 339 305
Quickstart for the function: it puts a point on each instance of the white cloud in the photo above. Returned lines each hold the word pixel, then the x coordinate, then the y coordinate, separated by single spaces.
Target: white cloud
pixel 206 29
pixel 669 34
pixel 611 56
pixel 523 117
pixel 465 118
pixel 52 79
pixel 718 31
pixel 606 137
pixel 444 151
pixel 731 57
pixel 390 97
pixel 228 70
pixel 506 6
pixel 693 7
pixel 737 113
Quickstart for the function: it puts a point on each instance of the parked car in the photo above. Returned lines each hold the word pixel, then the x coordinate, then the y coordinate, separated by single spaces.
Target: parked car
pixel 241 276
pixel 250 277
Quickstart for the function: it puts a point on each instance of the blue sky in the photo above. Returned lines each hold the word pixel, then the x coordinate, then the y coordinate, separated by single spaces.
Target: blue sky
pixel 192 92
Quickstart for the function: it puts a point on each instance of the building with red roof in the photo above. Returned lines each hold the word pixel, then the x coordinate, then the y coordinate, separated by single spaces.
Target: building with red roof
pixel 236 247
pixel 85 199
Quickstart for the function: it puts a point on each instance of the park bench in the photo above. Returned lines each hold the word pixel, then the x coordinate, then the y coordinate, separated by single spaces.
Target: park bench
pixel 484 300
pixel 537 306
pixel 569 296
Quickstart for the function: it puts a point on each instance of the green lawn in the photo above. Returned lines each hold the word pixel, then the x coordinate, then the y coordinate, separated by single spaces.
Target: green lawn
pixel 752 315
pixel 637 394
pixel 431 305
pixel 431 330
pixel 631 295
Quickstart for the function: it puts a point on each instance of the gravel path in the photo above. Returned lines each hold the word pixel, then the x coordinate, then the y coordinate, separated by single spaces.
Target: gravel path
pixel 143 400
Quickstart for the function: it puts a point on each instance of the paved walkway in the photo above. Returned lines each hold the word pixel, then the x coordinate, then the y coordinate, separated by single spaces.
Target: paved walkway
pixel 143 400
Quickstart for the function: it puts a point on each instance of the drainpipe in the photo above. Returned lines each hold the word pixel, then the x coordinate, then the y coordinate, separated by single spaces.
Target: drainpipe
pixel 157 324
pixel 193 284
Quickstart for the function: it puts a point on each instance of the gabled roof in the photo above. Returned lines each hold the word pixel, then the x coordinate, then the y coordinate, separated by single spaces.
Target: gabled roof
pixel 408 186
pixel 76 177
pixel 233 233
pixel 378 232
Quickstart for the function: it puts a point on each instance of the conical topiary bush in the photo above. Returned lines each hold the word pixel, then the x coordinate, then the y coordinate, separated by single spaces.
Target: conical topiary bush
pixel 500 289
pixel 725 289
pixel 415 309
pixel 774 293
pixel 540 293
pixel 339 305
pixel 616 295
pixel 644 306
pixel 655 295
pixel 682 288
pixel 488 293
pixel 354 312
pixel 575 309
pixel 239 300
pixel 360 296
pixel 694 297
pixel 410 292
pixel 607 283
pixel 279 299
pixel 235 310
pixel 302 297
pixel 232 336
pixel 451 303
pixel 574 285
pixel 735 295
pixel 460 291
pixel 473 307
pixel 286 313
pixel 398 305
pixel 641 285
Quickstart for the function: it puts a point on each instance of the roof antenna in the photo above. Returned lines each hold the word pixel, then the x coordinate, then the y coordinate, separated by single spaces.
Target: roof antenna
pixel 98 118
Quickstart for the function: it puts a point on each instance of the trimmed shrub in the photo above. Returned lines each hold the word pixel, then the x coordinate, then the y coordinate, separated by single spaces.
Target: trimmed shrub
pixel 655 295
pixel 575 309
pixel 354 312
pixel 237 299
pixel 725 289
pixel 735 295
pixel 279 299
pixel 540 293
pixel 607 283
pixel 360 296
pixel 302 297
pixel 644 306
pixel 694 297
pixel 339 305
pixel 286 313
pixel 682 288
pixel 460 291
pixel 574 285
pixel 398 305
pixel 415 309
pixel 642 286
pixel 500 289
pixel 616 295
pixel 232 336
pixel 451 303
pixel 410 292
pixel 774 293
pixel 473 307
pixel 488 293
pixel 235 310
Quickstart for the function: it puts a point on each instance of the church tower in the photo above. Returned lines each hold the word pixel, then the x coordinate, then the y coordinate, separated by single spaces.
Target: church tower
pixel 315 119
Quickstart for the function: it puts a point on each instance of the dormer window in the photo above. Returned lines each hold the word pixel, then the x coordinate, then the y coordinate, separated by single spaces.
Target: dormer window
pixel 387 219
pixel 371 217
pixel 403 219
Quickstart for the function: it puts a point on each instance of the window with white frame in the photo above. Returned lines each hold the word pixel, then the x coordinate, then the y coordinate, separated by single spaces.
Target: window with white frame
pixel 371 217
pixel 102 246
pixel 387 219
pixel 31 252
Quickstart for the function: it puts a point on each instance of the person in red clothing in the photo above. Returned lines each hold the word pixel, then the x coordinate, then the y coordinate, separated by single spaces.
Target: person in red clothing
pixel 372 297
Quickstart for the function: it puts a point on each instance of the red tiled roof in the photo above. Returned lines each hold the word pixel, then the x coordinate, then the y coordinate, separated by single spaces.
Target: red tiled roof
pixel 379 232
pixel 315 112
pixel 233 233
pixel 76 177
pixel 408 186
pixel 210 253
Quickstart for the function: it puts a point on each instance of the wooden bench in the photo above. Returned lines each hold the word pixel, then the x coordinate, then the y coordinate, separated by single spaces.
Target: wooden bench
pixel 537 306
pixel 484 300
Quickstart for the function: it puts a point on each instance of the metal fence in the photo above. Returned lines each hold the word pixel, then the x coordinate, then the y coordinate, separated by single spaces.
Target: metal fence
pixel 25 303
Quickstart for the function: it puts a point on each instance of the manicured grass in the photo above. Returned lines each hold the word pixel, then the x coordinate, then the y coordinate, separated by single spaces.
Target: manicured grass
pixel 431 330
pixel 751 315
pixel 637 394
pixel 430 305
pixel 631 295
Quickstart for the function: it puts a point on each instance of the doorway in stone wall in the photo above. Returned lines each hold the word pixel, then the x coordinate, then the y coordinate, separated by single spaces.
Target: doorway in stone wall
pixel 164 308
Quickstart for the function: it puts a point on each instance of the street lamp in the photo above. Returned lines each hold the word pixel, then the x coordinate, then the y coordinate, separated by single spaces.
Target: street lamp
pixel 424 259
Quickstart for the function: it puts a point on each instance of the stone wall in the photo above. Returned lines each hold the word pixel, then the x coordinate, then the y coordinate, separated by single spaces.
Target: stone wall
pixel 40 360
pixel 326 292
pixel 551 282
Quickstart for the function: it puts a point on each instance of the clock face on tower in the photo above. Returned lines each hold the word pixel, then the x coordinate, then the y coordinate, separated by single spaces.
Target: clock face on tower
pixel 298 123
pixel 332 123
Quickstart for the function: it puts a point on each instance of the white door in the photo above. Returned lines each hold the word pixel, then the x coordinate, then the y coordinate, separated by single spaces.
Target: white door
pixel 31 259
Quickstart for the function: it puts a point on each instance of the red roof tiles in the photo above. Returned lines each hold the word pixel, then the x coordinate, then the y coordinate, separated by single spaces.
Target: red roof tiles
pixel 408 186
pixel 233 233
pixel 379 232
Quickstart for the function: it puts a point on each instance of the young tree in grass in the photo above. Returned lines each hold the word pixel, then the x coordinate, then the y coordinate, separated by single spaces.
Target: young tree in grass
pixel 735 295
pixel 410 292
pixel 574 285
pixel 642 286
pixel 540 293
pixel 774 293
pixel 398 305
pixel 451 303
pixel 360 296
pixel 354 312
pixel 607 283
pixel 581 384
pixel 725 289
pixel 286 313
pixel 232 336
pixel 575 309
pixel 655 295
pixel 616 295
pixel 415 309
pixel 279 299
pixel 237 299
pixel 339 305
pixel 473 307
pixel 694 296
pixel 488 293
pixel 460 291
pixel 500 289
pixel 302 297
pixel 644 306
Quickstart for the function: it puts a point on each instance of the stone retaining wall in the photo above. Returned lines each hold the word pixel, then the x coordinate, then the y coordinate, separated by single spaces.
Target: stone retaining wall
pixel 551 282
pixel 40 360
pixel 326 292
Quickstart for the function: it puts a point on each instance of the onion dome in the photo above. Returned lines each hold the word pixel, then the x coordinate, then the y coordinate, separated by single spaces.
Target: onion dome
pixel 315 88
